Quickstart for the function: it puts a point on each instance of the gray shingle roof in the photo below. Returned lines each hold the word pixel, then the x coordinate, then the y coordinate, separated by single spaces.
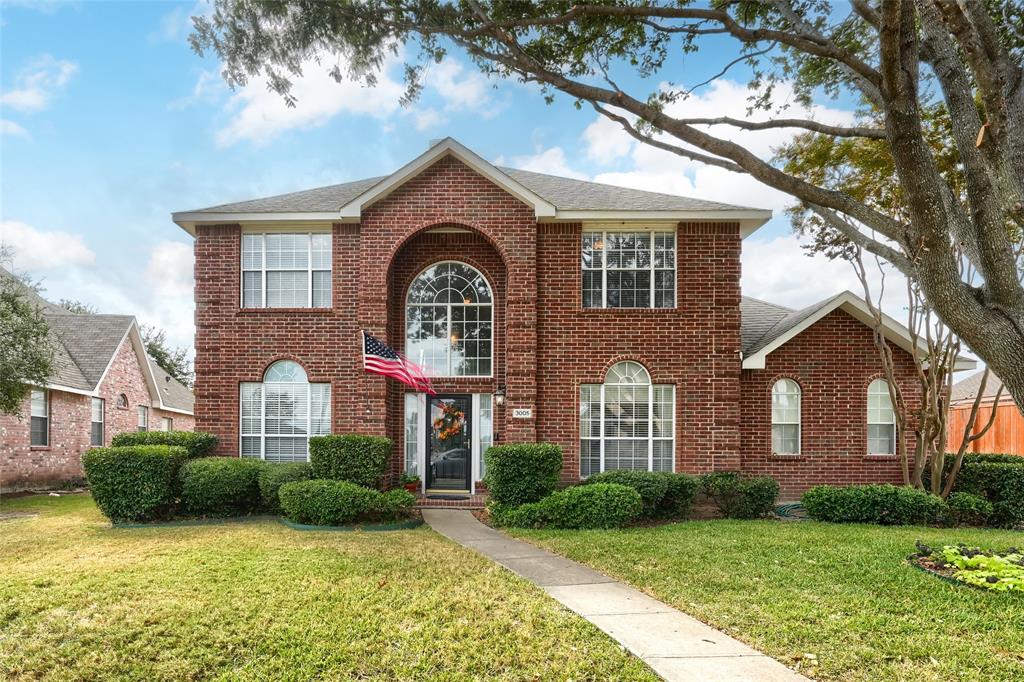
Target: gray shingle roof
pixel 566 194
pixel 173 393
pixel 785 320
pixel 756 318
pixel 85 343
pixel 967 389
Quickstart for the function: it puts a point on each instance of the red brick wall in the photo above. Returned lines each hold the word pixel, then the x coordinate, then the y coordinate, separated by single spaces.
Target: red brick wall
pixel 693 345
pixel 22 466
pixel 833 361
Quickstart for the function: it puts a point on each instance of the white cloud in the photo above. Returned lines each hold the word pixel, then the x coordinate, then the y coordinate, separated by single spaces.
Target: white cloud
pixel 207 86
pixel 177 24
pixel 551 161
pixel 424 119
pixel 36 249
pixel 605 141
pixel 38 83
pixel 780 271
pixel 260 114
pixel 12 128
pixel 458 88
pixel 168 283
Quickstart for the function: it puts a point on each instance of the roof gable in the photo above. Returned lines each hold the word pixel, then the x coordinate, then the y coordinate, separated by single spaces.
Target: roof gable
pixel 446 147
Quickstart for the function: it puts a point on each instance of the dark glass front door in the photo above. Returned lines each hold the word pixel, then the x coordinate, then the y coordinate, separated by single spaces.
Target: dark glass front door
pixel 449 445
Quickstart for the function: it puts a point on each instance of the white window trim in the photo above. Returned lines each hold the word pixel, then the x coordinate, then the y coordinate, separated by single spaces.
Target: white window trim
pixel 652 269
pixel 46 416
pixel 263 270
pixel 601 438
pixel 262 434
pixel 102 422
pixel 448 329
pixel 140 412
pixel 798 422
pixel 892 411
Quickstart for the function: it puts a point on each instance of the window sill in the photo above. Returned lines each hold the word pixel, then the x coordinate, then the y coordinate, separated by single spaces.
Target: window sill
pixel 628 311
pixel 290 311
pixel 38 448
pixel 881 458
pixel 786 458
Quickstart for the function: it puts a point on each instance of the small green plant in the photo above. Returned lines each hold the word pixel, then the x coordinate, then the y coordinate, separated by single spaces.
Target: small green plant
pixel 739 497
pixel 197 443
pixel 651 486
pixel 338 503
pixel 220 486
pixel 965 509
pixel 598 505
pixel 678 499
pixel 273 476
pixel 351 457
pixel 997 571
pixel 882 504
pixel 134 483
pixel 522 472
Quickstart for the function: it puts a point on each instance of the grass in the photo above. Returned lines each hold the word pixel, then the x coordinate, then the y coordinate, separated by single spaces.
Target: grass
pixel 839 592
pixel 80 600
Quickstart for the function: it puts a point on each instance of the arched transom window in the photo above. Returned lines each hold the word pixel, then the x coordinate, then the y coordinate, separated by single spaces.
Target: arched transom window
pixel 786 417
pixel 449 321
pixel 627 422
pixel 881 419
pixel 281 413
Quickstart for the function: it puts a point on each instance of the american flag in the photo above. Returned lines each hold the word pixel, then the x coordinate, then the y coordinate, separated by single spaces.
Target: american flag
pixel 380 358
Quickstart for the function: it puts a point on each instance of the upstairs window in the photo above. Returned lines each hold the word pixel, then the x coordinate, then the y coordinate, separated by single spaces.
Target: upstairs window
pixel 629 269
pixel 281 413
pixel 286 270
pixel 786 417
pixel 40 418
pixel 626 422
pixel 881 419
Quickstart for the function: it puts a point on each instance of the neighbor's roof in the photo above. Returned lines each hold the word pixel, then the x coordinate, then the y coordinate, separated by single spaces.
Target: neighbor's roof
pixel 967 389
pixel 553 198
pixel 85 344
pixel 765 327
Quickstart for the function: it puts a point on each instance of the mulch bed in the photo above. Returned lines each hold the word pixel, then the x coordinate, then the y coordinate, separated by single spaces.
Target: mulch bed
pixel 941 572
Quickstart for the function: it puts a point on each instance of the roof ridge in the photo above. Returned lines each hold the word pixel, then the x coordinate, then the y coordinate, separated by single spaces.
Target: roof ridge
pixel 761 300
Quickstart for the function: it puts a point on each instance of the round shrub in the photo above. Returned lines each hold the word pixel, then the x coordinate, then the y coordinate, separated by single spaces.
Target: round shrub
pixel 601 505
pixel 273 476
pixel 881 504
pixel 965 509
pixel 739 497
pixel 1001 483
pixel 394 504
pixel 327 502
pixel 679 495
pixel 529 515
pixel 351 457
pixel 522 472
pixel 220 486
pixel 197 443
pixel 134 483
pixel 651 486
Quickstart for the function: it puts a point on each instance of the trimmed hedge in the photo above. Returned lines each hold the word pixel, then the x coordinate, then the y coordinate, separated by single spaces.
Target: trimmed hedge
pixel 651 486
pixel 678 499
pixel 599 505
pixel 337 503
pixel 965 509
pixel 880 504
pixel 134 483
pixel 1002 484
pixel 220 486
pixel 197 443
pixel 273 476
pixel 519 473
pixel 351 457
pixel 739 497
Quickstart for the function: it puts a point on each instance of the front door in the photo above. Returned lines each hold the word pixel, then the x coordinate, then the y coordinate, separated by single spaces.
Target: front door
pixel 449 443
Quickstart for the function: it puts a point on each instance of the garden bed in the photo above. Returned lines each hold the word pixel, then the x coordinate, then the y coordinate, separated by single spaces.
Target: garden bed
pixel 972 566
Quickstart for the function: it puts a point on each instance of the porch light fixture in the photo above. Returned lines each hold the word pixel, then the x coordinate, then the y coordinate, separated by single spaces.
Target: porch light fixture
pixel 499 396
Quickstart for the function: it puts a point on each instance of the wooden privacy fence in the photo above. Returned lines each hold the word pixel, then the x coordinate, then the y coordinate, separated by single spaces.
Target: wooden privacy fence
pixel 1006 434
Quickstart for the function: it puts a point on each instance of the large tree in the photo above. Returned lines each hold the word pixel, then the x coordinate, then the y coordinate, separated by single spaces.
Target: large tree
pixel 902 60
pixel 26 353
pixel 171 359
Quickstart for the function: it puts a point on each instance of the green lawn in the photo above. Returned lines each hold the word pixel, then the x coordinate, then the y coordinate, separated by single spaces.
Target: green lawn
pixel 839 592
pixel 80 600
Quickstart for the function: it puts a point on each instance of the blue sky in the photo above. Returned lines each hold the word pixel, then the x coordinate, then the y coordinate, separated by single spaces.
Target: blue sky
pixel 110 123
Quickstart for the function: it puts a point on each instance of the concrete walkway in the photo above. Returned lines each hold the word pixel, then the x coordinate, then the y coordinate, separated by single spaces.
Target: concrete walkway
pixel 673 644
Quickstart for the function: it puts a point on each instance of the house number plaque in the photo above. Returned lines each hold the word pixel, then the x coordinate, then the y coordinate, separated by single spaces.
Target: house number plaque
pixel 522 413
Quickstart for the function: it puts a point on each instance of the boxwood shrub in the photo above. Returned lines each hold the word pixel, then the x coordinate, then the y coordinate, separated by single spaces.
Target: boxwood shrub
pixel 273 476
pixel 597 505
pixel 325 502
pixel 522 472
pixel 881 504
pixel 678 499
pixel 220 486
pixel 351 457
pixel 197 443
pixel 394 505
pixel 651 486
pixel 740 497
pixel 1000 483
pixel 965 509
pixel 134 483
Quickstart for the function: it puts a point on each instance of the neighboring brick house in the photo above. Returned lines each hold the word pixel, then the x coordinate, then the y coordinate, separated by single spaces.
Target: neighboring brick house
pixel 605 319
pixel 103 384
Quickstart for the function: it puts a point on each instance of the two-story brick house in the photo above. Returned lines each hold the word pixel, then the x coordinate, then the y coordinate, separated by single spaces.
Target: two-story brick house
pixel 605 319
